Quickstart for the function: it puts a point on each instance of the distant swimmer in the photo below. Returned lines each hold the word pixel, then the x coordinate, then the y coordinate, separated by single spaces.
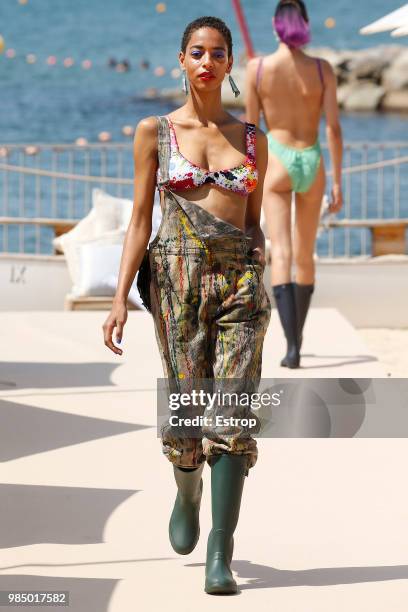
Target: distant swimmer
pixel 144 64
pixel 123 66
pixel 292 89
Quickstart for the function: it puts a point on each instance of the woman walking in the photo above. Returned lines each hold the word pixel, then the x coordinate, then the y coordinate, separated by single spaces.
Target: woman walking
pixel 292 89
pixel 206 293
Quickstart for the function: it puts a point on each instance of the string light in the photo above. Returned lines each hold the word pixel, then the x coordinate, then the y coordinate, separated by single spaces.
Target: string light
pixel 330 23
pixel 128 130
pixel 86 64
pixel 161 7
pixel 81 141
pixel 31 150
pixel 151 93
pixel 104 136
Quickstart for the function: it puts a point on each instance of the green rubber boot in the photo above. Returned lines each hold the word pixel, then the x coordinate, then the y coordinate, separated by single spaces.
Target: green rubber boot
pixel 227 481
pixel 184 526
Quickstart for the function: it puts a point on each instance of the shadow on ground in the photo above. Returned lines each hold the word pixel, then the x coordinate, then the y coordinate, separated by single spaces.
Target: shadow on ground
pixel 26 430
pixel 64 515
pixel 267 577
pixel 22 375
pixel 85 594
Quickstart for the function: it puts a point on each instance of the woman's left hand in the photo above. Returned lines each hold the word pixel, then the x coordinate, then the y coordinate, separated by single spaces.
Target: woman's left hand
pixel 336 199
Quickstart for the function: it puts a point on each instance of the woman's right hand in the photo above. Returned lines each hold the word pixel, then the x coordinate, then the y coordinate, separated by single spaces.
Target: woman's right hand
pixel 117 318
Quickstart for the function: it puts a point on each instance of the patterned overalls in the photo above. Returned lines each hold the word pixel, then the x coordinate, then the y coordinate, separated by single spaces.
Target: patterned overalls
pixel 210 311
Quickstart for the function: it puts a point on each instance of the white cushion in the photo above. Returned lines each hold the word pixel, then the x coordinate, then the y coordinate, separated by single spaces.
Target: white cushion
pixel 133 295
pixel 74 259
pixel 99 270
pixel 111 212
pixel 98 262
pixel 126 213
pixel 106 223
pixel 85 229
pixel 107 214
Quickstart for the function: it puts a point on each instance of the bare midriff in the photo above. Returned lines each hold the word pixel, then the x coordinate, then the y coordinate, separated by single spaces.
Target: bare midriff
pixel 225 205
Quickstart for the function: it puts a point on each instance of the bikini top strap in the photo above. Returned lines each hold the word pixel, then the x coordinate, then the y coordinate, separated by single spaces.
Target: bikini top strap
pixel 320 71
pixel 259 73
pixel 163 149
pixel 250 141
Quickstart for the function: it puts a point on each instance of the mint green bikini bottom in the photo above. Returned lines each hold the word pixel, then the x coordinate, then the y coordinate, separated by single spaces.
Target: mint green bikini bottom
pixel 302 164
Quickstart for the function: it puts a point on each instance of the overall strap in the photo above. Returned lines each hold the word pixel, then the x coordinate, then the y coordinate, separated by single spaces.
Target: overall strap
pixel 163 146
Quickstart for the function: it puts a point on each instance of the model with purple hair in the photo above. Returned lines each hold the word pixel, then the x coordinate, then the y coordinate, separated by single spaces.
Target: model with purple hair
pixel 292 24
pixel 291 89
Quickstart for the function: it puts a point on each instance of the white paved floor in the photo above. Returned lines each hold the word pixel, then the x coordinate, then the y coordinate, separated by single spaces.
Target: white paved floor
pixel 86 494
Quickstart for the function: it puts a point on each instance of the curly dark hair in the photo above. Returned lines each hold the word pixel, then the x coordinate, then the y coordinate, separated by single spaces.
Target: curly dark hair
pixel 207 22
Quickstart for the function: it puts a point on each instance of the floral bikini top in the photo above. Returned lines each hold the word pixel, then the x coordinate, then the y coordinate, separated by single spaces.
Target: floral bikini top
pixel 183 174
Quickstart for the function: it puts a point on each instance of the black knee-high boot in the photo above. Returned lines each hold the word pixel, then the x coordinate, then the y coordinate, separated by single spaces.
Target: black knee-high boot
pixel 303 296
pixel 184 526
pixel 227 481
pixel 286 306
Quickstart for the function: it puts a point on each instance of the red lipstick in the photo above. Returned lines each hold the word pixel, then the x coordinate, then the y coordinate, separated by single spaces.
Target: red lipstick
pixel 207 76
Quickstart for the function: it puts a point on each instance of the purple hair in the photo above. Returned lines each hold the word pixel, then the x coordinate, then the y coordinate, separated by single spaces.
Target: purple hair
pixel 292 23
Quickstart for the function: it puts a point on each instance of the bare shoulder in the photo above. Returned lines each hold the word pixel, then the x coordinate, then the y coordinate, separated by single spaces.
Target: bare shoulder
pixel 327 68
pixel 252 65
pixel 147 127
pixel 146 133
pixel 268 61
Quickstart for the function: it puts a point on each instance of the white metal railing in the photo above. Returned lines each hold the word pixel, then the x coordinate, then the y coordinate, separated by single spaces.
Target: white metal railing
pixel 40 182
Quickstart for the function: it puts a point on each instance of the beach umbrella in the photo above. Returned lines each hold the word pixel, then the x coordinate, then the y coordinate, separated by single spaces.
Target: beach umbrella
pixel 396 20
pixel 402 31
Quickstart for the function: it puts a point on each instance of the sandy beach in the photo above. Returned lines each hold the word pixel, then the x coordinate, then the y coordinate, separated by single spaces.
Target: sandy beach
pixel 390 347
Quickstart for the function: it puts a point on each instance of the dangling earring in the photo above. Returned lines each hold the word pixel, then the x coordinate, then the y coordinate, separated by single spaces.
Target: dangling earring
pixel 185 85
pixel 234 87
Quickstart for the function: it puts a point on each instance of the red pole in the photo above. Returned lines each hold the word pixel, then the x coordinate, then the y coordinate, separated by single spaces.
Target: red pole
pixel 244 28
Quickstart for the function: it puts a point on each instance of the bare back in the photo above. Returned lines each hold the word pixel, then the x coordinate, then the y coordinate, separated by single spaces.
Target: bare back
pixel 290 89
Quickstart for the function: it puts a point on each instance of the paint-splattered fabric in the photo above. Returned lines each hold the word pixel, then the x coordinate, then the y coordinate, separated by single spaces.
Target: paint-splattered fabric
pixel 183 174
pixel 210 311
